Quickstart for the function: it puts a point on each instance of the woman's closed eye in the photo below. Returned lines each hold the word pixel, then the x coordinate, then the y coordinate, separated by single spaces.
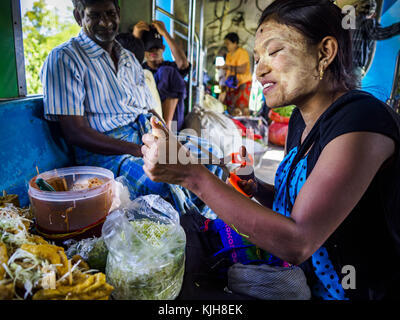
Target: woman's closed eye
pixel 275 51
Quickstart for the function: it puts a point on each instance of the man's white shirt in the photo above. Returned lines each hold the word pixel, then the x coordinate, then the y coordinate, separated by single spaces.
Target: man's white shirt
pixel 79 78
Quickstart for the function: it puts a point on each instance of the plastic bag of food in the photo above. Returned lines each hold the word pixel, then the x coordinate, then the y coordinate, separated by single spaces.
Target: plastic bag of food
pixel 93 250
pixel 146 250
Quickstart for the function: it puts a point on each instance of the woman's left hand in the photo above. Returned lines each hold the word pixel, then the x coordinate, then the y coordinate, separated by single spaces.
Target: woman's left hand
pixel 165 158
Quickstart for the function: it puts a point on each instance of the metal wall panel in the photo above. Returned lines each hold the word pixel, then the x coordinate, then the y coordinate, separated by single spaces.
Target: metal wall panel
pixel 133 11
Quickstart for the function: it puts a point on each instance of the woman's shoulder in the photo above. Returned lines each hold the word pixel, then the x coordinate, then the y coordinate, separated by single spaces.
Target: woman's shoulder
pixel 358 111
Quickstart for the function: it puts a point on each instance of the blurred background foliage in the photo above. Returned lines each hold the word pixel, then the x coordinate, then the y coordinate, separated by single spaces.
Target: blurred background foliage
pixel 43 30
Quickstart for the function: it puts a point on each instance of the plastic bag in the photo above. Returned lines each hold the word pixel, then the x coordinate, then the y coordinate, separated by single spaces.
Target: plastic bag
pixel 215 127
pixel 93 250
pixel 210 103
pixel 257 125
pixel 257 151
pixel 146 250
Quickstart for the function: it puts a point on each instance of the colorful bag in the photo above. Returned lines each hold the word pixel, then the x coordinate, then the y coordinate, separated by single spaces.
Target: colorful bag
pixel 234 248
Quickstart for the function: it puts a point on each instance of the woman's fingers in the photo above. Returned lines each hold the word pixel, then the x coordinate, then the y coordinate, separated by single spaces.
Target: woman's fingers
pixel 144 149
pixel 150 153
pixel 148 139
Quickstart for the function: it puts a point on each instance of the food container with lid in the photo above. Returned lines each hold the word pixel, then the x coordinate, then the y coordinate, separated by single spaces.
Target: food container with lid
pixel 80 204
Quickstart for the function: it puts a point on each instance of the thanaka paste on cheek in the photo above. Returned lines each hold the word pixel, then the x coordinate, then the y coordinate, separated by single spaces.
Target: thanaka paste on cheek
pixel 292 68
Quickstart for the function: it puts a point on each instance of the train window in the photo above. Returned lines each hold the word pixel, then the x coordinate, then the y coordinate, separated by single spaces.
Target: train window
pixel 168 6
pixel 45 25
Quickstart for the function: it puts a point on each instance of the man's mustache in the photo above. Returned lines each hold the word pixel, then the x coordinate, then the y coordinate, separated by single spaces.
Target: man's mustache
pixel 106 30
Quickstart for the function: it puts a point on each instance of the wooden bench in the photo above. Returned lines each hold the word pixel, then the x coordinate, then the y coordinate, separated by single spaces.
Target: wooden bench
pixel 28 141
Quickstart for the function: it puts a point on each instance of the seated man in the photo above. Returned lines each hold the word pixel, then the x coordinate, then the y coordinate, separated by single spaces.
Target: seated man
pixel 169 75
pixel 96 90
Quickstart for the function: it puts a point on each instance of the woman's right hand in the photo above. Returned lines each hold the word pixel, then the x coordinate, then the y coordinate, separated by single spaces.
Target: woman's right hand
pixel 165 158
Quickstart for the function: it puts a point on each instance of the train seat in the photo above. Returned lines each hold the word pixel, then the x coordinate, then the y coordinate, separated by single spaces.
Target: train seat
pixel 28 141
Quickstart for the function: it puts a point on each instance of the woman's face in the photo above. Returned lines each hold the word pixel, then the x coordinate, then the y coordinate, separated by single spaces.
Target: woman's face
pixel 286 64
pixel 230 46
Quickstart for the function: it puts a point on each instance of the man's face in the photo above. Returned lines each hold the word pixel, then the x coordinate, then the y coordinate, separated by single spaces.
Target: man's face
pixel 154 55
pixel 100 22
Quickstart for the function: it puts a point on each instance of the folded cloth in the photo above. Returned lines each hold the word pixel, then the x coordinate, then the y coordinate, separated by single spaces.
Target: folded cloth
pixel 267 282
pixel 132 167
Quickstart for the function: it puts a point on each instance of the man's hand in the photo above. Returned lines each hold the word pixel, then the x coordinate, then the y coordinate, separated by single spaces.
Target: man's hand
pixel 160 27
pixel 139 28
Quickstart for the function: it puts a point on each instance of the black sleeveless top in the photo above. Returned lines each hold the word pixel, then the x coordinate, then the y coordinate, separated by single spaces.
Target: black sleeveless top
pixel 365 239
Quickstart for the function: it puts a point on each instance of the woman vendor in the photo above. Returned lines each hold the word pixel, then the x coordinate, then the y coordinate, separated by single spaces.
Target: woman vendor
pixel 335 199
pixel 236 96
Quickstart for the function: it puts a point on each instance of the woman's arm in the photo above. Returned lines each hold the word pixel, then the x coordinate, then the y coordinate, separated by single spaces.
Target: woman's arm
pixel 236 69
pixel 336 184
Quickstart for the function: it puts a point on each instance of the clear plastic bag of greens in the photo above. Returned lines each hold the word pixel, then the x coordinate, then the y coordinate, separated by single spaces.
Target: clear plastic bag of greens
pixel 146 250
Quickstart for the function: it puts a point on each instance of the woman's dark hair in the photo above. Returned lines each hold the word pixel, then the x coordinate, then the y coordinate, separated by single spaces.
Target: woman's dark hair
pixel 134 45
pixel 80 5
pixel 232 37
pixel 316 19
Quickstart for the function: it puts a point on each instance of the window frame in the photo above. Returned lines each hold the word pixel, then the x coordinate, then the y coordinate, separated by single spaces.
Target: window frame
pixel 19 47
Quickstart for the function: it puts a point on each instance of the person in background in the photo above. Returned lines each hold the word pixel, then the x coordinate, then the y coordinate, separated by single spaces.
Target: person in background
pixel 237 64
pixel 368 31
pixel 169 75
pixel 334 209
pixel 135 45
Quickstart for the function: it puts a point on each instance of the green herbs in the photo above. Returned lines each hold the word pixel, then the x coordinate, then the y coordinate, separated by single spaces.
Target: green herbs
pixel 285 111
pixel 150 231
pixel 154 266
pixel 97 257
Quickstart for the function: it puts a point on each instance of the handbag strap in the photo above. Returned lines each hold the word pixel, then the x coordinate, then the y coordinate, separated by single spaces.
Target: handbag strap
pixel 304 147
